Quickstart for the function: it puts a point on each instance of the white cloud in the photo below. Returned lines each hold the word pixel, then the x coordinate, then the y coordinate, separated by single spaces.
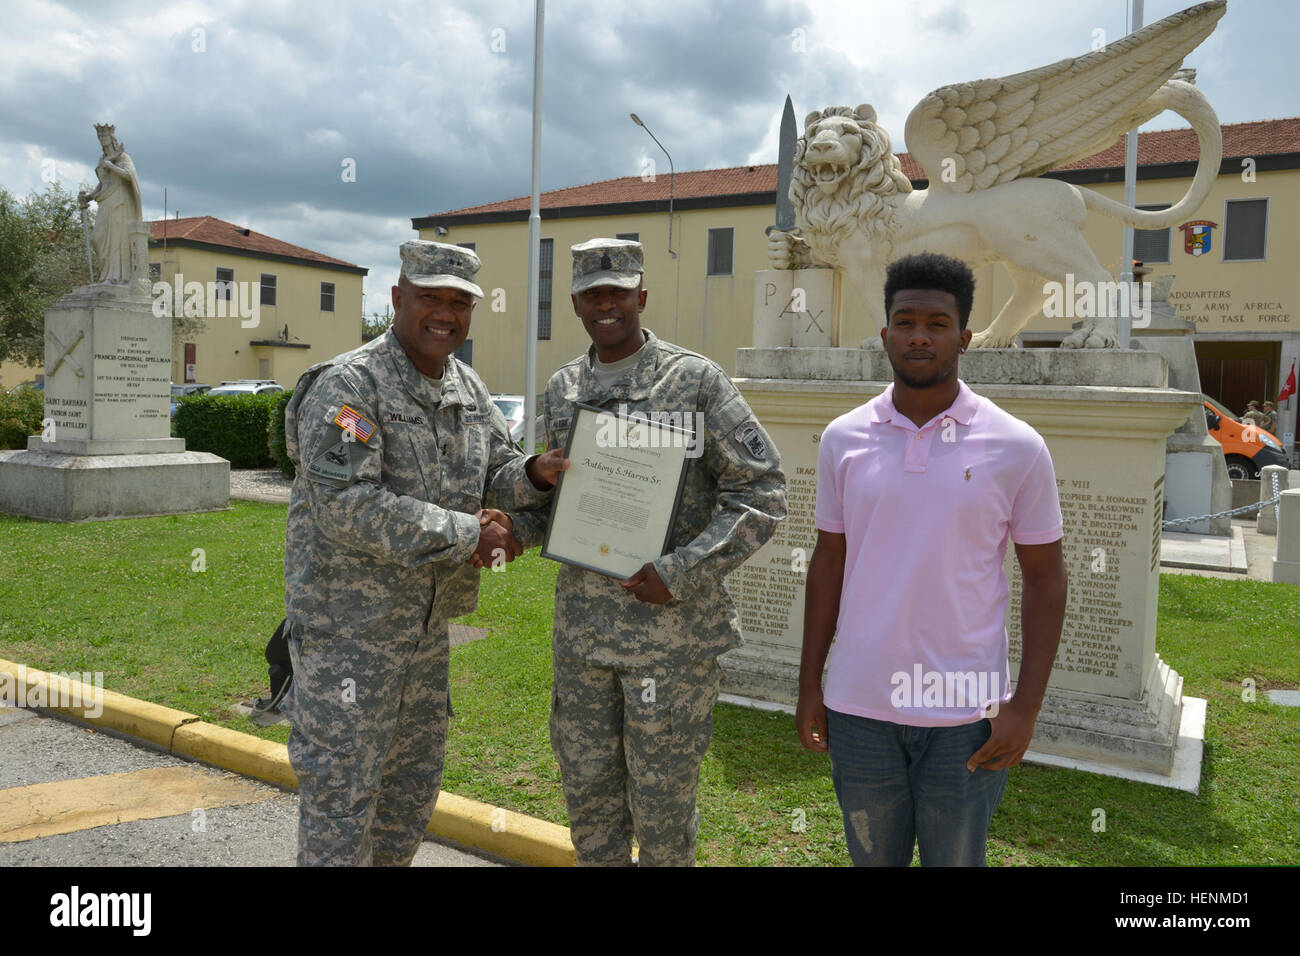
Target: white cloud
pixel 255 127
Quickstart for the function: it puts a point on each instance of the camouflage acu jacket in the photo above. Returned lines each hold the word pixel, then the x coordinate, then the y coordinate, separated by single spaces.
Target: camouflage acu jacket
pixel 380 526
pixel 733 496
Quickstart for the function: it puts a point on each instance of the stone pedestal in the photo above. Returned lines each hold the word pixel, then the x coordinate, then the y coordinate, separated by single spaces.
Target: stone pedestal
pixel 106 449
pixel 796 308
pixel 1266 518
pixel 58 487
pixel 1196 476
pixel 1105 417
pixel 1286 566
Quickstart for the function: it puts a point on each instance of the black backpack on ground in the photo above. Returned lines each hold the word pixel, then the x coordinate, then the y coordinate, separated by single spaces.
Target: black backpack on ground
pixel 280 671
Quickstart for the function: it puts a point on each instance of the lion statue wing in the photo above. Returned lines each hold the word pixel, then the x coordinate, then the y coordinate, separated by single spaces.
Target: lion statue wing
pixel 1023 125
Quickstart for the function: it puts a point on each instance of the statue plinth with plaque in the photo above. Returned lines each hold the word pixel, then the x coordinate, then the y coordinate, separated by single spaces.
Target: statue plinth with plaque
pixel 105 448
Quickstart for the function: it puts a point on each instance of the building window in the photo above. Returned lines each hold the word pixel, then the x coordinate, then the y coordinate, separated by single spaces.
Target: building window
pixel 268 289
pixel 546 268
pixel 1151 245
pixel 155 270
pixel 720 241
pixel 471 246
pixel 466 352
pixel 327 296
pixel 634 236
pixel 1245 229
pixel 225 283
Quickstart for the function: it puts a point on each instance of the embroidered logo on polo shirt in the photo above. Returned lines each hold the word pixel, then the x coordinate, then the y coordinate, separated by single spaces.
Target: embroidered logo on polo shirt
pixel 968 474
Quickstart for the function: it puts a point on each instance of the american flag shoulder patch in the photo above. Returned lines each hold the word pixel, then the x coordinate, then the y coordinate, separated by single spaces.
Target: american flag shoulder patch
pixel 349 419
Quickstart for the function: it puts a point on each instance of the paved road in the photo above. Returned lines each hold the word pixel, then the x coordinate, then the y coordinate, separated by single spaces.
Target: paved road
pixel 71 796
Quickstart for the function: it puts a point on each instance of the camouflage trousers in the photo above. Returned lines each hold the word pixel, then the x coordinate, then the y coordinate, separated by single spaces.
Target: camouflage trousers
pixel 369 734
pixel 629 742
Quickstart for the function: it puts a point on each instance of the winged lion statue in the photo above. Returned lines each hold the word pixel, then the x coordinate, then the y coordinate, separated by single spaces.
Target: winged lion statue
pixel 984 146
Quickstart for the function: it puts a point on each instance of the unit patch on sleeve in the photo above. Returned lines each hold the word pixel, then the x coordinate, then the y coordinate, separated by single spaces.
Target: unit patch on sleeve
pixel 749 435
pixel 334 466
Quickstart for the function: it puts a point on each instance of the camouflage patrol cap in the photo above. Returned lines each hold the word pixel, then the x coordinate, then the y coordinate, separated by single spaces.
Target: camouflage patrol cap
pixel 616 262
pixel 1252 403
pixel 433 264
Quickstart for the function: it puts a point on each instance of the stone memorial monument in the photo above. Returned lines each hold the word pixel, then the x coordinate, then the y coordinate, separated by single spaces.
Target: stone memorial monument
pixel 1196 475
pixel 105 450
pixel 1112 706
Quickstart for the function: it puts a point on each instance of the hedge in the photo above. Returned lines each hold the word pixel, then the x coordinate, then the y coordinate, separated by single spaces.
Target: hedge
pixel 275 437
pixel 235 427
pixel 20 416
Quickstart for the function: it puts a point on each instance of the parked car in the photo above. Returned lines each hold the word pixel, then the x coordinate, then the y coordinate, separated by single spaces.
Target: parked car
pixel 38 386
pixel 1246 448
pixel 247 386
pixel 186 388
pixel 512 407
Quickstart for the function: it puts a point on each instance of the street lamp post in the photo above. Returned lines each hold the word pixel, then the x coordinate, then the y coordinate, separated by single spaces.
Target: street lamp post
pixel 672 173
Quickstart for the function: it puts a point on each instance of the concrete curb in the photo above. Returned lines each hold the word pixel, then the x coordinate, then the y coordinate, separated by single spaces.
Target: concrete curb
pixel 505 833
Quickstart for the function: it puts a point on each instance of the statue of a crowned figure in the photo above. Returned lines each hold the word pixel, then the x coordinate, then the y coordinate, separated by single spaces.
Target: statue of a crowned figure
pixel 120 237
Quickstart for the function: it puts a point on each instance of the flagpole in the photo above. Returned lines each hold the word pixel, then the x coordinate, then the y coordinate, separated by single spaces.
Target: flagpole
pixel 1130 200
pixel 534 241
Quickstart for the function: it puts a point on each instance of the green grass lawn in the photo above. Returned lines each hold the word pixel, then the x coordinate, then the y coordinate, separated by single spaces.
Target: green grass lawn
pixel 122 597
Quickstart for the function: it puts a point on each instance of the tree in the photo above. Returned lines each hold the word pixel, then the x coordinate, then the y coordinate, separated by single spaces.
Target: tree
pixel 42 257
pixel 376 324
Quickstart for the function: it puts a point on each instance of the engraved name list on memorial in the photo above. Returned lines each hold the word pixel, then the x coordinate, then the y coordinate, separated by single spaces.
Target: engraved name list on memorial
pixel 1107 545
pixel 769 588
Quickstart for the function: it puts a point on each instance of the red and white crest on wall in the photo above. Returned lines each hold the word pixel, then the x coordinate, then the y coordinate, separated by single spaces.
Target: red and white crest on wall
pixel 1197 235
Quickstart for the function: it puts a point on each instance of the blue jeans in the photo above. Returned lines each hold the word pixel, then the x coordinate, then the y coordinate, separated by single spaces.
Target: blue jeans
pixel 900 785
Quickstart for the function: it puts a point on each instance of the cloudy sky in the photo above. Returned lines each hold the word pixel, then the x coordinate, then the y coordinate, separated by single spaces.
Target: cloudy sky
pixel 248 109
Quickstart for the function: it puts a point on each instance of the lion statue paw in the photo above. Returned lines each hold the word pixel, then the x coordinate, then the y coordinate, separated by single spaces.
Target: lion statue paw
pixel 988 339
pixel 1093 334
pixel 786 250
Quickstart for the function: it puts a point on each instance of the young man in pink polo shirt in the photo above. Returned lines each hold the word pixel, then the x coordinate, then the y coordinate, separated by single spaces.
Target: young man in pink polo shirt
pixel 917 493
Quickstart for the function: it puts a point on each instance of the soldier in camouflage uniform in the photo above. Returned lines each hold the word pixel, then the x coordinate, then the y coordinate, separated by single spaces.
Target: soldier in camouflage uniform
pixel 636 672
pixel 397 445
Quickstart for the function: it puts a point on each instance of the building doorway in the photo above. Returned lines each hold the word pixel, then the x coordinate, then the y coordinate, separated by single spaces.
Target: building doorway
pixel 1234 373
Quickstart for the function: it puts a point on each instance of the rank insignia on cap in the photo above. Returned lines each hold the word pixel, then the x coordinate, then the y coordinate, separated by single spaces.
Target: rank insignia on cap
pixel 350 420
pixel 616 262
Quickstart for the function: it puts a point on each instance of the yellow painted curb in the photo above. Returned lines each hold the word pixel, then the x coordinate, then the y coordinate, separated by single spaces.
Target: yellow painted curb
pixel 503 832
pixel 514 836
pixel 92 704
pixel 231 750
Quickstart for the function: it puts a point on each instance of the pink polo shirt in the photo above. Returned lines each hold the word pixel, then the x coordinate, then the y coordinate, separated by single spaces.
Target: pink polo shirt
pixel 926 514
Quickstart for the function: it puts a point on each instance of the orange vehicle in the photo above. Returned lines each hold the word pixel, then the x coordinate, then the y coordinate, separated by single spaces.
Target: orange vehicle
pixel 1246 447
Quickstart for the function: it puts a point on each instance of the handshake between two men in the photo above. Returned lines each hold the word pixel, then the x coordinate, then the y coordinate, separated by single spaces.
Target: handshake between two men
pixel 497 543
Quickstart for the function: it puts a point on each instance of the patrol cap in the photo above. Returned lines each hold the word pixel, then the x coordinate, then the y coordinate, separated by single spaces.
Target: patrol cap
pixel 432 264
pixel 1252 403
pixel 616 262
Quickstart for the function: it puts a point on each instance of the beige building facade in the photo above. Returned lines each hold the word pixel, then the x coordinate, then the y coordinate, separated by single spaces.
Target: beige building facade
pixel 15 373
pixel 1242 292
pixel 269 309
